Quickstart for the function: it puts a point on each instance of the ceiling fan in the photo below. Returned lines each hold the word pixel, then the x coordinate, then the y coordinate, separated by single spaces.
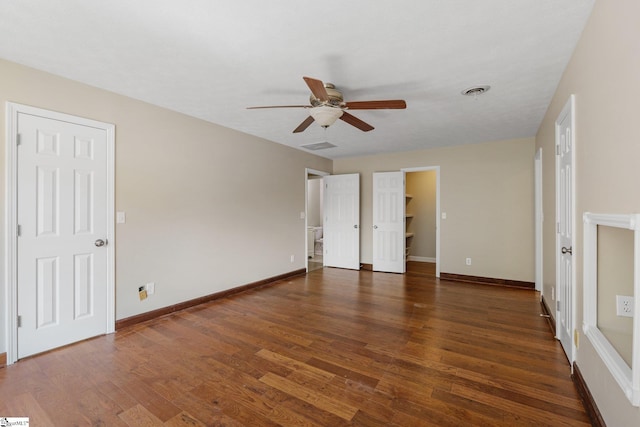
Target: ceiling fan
pixel 328 105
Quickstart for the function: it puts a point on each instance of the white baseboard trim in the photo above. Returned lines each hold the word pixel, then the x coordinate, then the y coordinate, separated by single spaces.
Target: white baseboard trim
pixel 420 258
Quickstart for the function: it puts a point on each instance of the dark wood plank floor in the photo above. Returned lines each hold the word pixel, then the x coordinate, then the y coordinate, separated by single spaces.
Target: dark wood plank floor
pixel 333 348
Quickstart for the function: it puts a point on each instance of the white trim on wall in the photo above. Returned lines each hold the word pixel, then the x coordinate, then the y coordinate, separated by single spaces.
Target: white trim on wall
pixel 539 219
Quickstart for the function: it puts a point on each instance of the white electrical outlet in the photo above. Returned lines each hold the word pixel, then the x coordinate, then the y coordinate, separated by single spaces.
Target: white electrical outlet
pixel 151 288
pixel 624 306
pixel 293 258
pixel 468 261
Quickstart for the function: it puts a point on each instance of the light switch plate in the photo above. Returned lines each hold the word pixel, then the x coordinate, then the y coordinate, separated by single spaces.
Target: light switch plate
pixel 121 217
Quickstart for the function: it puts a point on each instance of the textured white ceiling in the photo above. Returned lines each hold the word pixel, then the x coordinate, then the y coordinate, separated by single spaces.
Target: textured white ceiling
pixel 212 58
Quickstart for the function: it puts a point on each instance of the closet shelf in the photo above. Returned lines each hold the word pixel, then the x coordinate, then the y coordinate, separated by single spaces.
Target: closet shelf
pixel 408 235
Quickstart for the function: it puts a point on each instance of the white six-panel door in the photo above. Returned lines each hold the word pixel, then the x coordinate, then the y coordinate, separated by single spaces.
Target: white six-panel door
pixel 341 234
pixel 62 216
pixel 565 217
pixel 389 228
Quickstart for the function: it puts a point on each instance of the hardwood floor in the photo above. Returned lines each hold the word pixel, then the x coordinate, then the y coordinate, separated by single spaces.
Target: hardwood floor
pixel 332 348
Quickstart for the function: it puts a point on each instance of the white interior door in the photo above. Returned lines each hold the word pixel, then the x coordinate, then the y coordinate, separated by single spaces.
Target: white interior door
pixel 565 228
pixel 62 216
pixel 341 241
pixel 539 217
pixel 389 225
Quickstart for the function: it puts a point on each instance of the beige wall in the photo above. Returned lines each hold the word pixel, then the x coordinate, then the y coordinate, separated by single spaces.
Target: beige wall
pixel 486 190
pixel 208 208
pixel 603 74
pixel 422 186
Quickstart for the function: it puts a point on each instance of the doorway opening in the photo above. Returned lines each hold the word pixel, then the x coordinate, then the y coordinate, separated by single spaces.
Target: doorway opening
pixel 314 236
pixel 422 190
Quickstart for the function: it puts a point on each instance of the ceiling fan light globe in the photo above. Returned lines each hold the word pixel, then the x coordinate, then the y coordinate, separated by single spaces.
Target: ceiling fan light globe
pixel 324 115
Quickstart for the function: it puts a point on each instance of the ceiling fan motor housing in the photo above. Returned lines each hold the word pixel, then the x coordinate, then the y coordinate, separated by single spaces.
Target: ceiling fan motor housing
pixel 335 97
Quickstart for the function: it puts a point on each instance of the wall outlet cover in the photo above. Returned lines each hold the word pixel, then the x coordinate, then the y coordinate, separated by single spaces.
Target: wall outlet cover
pixel 624 306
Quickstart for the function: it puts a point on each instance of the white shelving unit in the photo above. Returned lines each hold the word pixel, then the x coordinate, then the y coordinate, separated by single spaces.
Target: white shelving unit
pixel 408 234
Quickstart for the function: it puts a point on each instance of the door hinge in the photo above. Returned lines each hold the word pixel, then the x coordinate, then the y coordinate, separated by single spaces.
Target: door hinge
pixel 558 305
pixel 557 227
pixel 19 230
pixel 19 321
pixel 18 139
pixel 557 150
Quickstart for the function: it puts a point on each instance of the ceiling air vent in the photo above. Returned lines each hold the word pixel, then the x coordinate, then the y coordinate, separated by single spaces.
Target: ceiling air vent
pixel 318 146
pixel 476 90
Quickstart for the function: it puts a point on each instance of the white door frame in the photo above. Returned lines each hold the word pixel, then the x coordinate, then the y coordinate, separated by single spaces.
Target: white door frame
pixel 568 109
pixel 307 172
pixel 437 170
pixel 539 218
pixel 11 218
